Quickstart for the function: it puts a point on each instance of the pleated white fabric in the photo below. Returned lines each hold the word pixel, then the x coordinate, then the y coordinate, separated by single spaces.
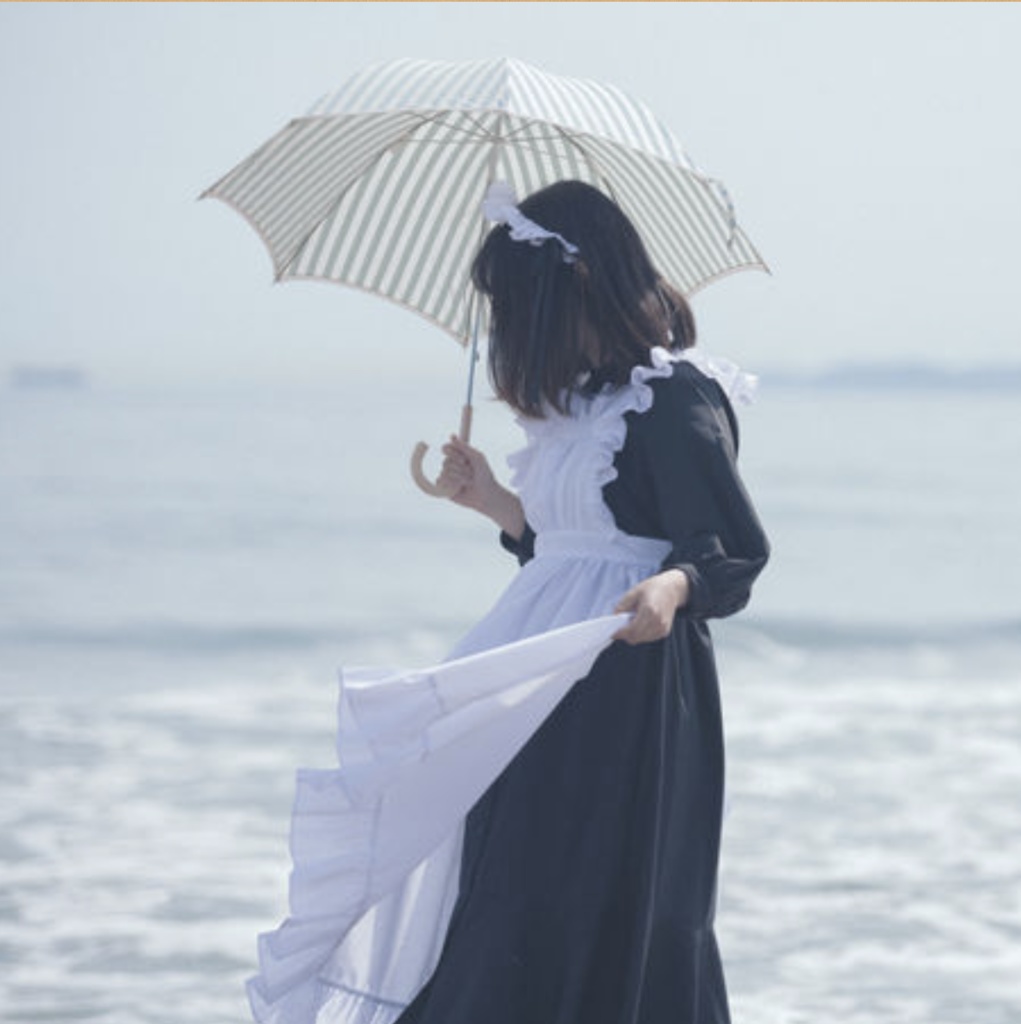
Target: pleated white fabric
pixel 376 843
pixel 379 186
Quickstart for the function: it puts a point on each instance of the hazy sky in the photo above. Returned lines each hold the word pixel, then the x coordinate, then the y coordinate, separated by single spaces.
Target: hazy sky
pixel 872 151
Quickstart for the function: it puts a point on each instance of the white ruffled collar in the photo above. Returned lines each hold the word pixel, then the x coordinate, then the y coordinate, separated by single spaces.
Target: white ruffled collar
pixel 737 385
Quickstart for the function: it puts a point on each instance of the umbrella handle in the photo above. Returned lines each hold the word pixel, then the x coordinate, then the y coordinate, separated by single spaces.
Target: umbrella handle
pixel 418 455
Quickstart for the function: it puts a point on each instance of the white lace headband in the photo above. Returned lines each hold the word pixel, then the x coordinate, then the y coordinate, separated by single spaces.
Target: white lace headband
pixel 500 207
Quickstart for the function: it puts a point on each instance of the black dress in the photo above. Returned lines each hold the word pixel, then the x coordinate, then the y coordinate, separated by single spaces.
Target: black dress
pixel 589 867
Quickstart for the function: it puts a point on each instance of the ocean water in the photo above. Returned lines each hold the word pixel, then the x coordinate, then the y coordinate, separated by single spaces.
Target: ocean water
pixel 182 572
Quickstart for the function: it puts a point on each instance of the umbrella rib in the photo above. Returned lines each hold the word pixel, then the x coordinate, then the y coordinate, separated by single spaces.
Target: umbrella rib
pixel 404 138
pixel 594 165
pixel 376 159
pixel 558 132
pixel 483 131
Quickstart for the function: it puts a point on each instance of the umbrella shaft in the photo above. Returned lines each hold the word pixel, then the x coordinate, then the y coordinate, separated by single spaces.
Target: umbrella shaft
pixel 465 433
pixel 473 359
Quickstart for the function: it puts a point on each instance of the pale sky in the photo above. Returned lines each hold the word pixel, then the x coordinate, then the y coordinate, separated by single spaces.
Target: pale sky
pixel 872 151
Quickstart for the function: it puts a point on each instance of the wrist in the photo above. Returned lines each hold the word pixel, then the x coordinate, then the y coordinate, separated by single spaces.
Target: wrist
pixel 680 585
pixel 505 510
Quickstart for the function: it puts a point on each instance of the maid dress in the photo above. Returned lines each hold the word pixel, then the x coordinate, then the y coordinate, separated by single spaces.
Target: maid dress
pixel 528 833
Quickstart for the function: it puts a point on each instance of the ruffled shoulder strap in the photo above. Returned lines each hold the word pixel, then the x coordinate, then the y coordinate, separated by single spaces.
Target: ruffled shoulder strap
pixel 737 385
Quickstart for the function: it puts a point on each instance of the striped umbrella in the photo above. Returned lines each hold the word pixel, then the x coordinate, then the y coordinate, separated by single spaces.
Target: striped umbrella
pixel 379 186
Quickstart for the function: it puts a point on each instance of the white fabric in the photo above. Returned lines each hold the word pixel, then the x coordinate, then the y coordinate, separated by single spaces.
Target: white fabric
pixel 376 843
pixel 499 206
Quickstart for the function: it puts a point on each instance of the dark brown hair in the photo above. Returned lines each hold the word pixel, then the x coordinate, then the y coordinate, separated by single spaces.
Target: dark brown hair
pixel 552 320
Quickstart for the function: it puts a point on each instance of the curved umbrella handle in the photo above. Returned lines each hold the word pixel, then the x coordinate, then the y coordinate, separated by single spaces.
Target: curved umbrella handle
pixel 418 455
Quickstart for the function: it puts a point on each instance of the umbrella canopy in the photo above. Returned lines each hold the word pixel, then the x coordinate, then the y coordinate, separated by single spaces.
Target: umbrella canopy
pixel 379 186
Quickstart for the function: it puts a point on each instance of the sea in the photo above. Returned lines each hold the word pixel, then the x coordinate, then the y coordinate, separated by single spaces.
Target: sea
pixel 183 568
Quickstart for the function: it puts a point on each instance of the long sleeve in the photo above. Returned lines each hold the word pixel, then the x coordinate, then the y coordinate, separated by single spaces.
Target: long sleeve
pixel 686 448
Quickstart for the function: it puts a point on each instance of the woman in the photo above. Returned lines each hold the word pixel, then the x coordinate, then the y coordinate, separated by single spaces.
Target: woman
pixel 586 876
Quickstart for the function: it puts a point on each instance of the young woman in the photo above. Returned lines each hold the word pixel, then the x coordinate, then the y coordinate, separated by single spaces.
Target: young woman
pixel 586 876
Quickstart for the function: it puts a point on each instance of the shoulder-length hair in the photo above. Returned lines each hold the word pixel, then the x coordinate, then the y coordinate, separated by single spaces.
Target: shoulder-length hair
pixel 552 320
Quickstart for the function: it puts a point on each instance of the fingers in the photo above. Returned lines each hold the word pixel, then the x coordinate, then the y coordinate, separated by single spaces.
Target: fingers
pixel 642 629
pixel 627 604
pixel 453 476
pixel 455 473
pixel 649 621
pixel 457 453
pixel 456 446
pixel 456 466
pixel 466 474
pixel 633 632
pixel 473 456
pixel 453 461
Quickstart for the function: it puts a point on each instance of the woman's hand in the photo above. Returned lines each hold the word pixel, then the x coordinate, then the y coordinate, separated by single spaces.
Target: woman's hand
pixel 471 483
pixel 654 602
pixel 466 475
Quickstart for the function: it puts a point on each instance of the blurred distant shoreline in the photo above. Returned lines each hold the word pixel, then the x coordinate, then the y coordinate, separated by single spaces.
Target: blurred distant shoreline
pixel 915 377
pixel 899 377
pixel 47 378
